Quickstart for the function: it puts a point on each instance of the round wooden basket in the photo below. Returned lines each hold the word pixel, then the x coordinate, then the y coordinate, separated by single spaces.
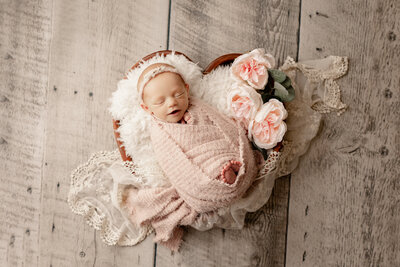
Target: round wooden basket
pixel 220 61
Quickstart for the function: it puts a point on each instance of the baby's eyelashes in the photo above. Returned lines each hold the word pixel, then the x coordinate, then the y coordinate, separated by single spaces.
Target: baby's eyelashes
pixel 179 95
pixel 157 103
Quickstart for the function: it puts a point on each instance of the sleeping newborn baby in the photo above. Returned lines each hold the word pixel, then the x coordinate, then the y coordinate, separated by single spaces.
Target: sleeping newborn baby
pixel 205 155
pixel 166 96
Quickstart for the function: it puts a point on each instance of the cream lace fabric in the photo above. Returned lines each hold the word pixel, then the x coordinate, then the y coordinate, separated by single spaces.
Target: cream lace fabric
pixel 97 187
pixel 96 192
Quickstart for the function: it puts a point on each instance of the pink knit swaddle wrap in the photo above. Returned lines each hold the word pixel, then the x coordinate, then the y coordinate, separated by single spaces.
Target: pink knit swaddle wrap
pixel 192 157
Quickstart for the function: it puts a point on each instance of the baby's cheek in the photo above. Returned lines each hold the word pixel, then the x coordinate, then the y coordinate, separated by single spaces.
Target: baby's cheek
pixel 158 112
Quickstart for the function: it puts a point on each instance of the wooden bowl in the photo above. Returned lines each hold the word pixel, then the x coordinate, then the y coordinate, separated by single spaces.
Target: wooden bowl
pixel 220 61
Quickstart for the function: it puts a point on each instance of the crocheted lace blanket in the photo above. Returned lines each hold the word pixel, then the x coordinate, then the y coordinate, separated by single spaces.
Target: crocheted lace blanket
pixel 100 186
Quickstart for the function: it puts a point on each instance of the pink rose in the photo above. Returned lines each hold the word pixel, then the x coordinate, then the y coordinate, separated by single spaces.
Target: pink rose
pixel 268 127
pixel 244 102
pixel 253 68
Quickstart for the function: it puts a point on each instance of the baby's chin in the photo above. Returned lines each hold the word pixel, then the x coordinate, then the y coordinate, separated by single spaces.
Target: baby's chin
pixel 175 121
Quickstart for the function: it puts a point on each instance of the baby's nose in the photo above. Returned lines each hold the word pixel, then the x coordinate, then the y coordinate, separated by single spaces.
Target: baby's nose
pixel 172 102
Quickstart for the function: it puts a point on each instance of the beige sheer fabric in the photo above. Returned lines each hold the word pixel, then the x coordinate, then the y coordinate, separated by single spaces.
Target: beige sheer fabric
pixel 96 192
pixel 97 187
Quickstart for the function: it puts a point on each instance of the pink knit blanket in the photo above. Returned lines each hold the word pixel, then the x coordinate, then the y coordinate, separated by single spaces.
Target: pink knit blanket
pixel 192 156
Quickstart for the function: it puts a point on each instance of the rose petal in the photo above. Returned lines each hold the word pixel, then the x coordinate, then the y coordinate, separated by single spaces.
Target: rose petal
pixel 243 102
pixel 268 127
pixel 252 68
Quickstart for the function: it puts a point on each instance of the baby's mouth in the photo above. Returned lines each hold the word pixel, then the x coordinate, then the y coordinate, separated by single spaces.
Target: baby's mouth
pixel 174 112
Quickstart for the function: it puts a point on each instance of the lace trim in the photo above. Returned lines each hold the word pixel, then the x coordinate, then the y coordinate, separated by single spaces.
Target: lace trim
pixel 94 216
pixel 132 168
pixel 270 165
pixel 135 171
pixel 288 154
pixel 331 100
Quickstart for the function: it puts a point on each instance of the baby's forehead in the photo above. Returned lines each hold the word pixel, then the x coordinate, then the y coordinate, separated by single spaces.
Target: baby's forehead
pixel 165 82
pixel 152 67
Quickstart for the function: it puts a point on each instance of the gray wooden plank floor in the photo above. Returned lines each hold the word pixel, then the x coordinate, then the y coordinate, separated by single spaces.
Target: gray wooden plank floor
pixel 344 200
pixel 25 45
pixel 60 62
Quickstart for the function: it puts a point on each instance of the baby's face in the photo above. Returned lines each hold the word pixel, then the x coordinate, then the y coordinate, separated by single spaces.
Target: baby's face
pixel 166 96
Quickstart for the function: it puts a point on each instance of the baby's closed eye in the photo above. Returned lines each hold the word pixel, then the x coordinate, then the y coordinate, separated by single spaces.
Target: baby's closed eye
pixel 159 102
pixel 179 94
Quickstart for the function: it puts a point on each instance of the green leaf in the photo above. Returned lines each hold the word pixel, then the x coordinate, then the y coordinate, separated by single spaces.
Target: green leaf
pixel 284 94
pixel 291 95
pixel 280 90
pixel 287 83
pixel 277 75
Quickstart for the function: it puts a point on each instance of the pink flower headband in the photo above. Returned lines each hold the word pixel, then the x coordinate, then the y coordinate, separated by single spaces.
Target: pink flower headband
pixel 153 73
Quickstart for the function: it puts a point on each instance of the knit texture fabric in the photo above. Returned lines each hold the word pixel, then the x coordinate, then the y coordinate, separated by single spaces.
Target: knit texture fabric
pixel 192 156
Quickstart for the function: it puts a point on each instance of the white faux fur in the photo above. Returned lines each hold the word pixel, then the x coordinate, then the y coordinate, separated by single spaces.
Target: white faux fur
pixel 135 122
pixel 214 88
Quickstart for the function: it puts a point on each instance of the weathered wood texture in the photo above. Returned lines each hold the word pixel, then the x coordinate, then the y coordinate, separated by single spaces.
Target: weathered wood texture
pixel 344 199
pixel 204 30
pixel 93 44
pixel 25 32
pixel 60 61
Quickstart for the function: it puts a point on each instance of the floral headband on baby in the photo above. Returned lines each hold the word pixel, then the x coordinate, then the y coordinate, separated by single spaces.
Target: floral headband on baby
pixel 153 73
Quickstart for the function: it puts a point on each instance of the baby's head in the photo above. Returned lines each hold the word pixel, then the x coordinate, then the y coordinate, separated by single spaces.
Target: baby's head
pixel 163 92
